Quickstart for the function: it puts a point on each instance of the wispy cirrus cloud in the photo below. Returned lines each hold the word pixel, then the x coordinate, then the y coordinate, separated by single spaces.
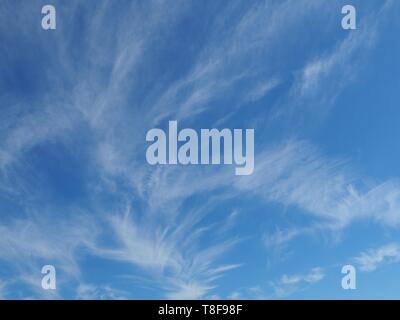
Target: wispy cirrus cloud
pixel 296 174
pixel 281 237
pixel 371 259
pixel 234 57
pixel 87 291
pixel 288 284
pixel 324 76
pixel 27 244
pixel 3 290
pixel 112 90
pixel 171 257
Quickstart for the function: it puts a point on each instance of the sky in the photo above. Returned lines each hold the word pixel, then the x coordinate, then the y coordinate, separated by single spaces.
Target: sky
pixel 77 193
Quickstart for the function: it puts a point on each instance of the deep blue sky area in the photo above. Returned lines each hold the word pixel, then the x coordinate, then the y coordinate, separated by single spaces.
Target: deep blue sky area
pixel 77 193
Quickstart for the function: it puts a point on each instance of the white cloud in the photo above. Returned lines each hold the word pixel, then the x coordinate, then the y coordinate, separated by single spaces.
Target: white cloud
pixel 315 275
pixel 371 259
pixel 324 76
pixel 263 89
pixel 28 244
pixel 296 174
pixel 93 292
pixel 234 58
pixel 291 283
pixel 171 257
pixel 280 237
pixel 3 290
pixel 162 239
pixel 234 295
pixel 188 291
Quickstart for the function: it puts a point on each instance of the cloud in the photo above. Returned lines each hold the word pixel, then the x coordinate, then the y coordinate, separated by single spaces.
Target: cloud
pixel 111 91
pixel 26 133
pixel 3 290
pixel 189 291
pixel 234 57
pixel 334 70
pixel 234 295
pixel 230 221
pixel 172 258
pixel 371 259
pixel 92 292
pixel 296 174
pixel 315 275
pixel 322 78
pixel 262 89
pixel 281 237
pixel 291 283
pixel 26 245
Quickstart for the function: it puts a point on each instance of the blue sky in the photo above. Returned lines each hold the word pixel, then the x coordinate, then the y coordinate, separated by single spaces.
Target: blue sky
pixel 77 193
